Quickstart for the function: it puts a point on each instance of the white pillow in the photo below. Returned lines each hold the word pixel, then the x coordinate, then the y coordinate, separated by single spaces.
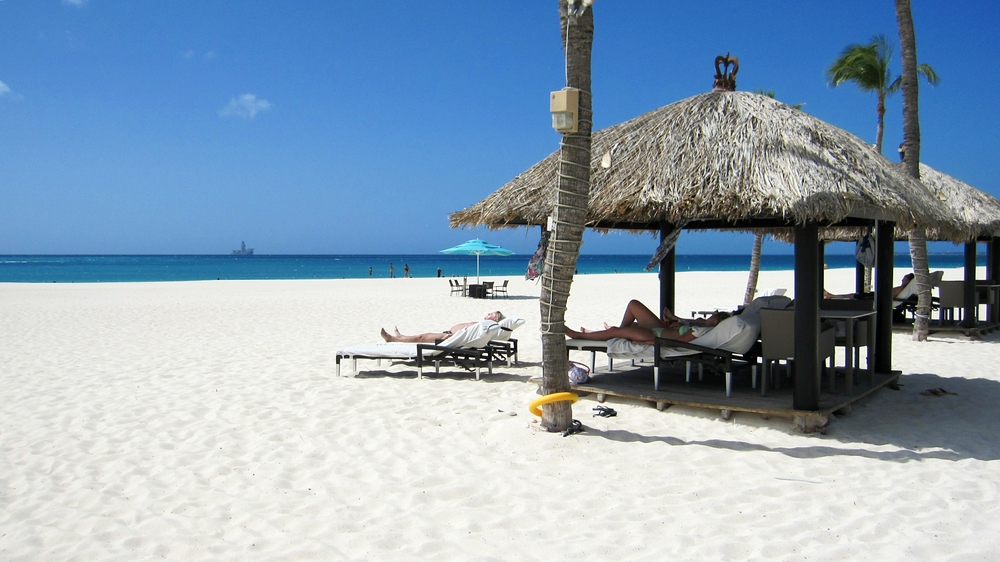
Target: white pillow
pixel 732 334
pixel 476 335
pixel 508 325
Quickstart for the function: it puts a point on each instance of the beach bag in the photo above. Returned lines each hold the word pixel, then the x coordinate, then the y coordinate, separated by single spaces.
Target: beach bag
pixel 864 252
pixel 578 373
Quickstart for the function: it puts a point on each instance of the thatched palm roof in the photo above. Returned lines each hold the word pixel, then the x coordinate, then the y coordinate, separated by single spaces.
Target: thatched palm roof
pixel 729 156
pixel 977 212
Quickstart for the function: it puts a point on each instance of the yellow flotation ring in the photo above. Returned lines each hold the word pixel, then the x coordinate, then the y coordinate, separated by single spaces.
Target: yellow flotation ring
pixel 549 398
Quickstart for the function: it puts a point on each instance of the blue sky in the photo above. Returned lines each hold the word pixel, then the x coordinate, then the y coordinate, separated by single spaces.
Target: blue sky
pixel 322 127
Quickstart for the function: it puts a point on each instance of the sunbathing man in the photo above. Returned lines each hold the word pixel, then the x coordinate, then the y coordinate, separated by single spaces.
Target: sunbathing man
pixel 434 337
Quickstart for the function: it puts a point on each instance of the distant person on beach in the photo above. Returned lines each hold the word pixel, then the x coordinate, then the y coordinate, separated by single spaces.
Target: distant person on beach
pixel 406 270
pixel 433 337
pixel 369 272
pixel 641 325
pixel 392 271
pixel 439 272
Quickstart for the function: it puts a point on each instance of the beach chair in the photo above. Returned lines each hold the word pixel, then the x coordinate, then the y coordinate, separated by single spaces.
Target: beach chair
pixel 501 289
pixel 468 348
pixel 777 343
pixel 504 346
pixel 488 289
pixel 456 287
pixel 724 348
pixel 906 301
pixel 951 298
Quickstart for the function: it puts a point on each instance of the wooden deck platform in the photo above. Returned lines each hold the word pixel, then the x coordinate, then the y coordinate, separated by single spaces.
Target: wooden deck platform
pixel 637 384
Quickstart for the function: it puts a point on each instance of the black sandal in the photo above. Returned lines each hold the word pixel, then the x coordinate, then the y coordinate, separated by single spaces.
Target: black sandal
pixel 605 412
pixel 576 427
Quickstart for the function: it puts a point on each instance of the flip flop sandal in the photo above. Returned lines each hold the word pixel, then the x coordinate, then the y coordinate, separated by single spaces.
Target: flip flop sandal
pixel 576 427
pixel 605 412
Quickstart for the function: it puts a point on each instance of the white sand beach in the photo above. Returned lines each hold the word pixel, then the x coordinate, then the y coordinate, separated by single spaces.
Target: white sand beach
pixel 204 421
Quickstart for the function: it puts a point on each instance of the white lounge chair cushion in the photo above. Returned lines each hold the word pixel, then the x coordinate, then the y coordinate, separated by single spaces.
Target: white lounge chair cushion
pixel 508 325
pixel 911 288
pixel 385 350
pixel 476 335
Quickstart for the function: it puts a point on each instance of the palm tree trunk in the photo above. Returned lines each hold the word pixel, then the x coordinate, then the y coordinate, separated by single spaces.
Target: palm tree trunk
pixel 569 215
pixel 911 159
pixel 758 243
pixel 881 122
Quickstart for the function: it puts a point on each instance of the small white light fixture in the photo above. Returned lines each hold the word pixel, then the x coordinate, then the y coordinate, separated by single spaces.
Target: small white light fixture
pixel 564 105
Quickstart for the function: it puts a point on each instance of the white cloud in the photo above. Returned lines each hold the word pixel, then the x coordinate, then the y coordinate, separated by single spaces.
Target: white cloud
pixel 191 53
pixel 6 92
pixel 246 106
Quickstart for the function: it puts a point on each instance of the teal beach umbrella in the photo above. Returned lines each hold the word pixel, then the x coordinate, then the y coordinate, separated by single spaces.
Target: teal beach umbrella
pixel 479 248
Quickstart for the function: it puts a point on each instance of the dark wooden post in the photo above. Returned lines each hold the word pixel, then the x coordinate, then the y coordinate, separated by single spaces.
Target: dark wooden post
pixel 668 269
pixel 885 232
pixel 969 290
pixel 859 277
pixel 821 272
pixel 807 267
pixel 993 274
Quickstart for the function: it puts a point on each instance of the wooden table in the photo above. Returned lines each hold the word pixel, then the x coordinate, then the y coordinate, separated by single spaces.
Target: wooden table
pixel 850 319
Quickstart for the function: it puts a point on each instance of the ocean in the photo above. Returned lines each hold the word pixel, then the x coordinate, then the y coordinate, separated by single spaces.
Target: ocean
pixel 107 269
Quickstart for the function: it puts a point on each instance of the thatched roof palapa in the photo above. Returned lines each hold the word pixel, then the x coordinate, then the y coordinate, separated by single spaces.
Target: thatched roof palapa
pixel 974 212
pixel 720 156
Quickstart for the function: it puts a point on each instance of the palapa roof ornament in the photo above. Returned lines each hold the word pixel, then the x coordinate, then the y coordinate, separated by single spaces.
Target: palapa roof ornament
pixel 725 79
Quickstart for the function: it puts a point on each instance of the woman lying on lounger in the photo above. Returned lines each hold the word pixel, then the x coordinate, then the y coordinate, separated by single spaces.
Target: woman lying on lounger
pixel 640 325
pixel 434 337
pixel 639 314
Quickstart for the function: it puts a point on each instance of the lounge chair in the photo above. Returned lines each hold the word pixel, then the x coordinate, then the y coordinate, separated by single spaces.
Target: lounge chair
pixel 777 338
pixel 504 346
pixel 728 346
pixel 501 289
pixel 469 348
pixel 906 300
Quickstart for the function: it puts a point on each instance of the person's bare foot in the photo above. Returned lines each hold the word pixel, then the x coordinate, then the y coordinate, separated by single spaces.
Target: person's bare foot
pixel 386 336
pixel 607 326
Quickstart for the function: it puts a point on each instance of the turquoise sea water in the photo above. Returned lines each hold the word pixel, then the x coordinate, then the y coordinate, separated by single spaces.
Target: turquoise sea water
pixel 102 269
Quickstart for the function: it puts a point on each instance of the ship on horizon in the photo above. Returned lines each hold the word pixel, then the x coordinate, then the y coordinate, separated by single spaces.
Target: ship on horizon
pixel 243 251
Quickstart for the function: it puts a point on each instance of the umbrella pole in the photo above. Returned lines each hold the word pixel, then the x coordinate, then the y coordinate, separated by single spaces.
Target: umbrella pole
pixel 477 269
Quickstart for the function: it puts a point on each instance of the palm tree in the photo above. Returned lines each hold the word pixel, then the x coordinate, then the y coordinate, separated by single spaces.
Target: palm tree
pixel 911 160
pixel 758 243
pixel 569 214
pixel 868 67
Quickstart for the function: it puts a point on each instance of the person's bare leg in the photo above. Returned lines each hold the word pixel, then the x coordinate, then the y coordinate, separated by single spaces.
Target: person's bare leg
pixel 636 334
pixel 430 337
pixel 639 314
